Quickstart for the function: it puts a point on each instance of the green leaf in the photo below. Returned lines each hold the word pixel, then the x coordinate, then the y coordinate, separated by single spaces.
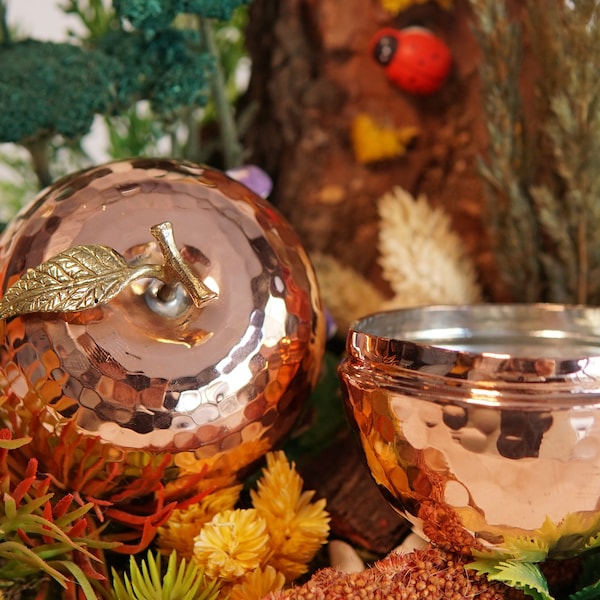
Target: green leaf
pixel 520 575
pixel 80 577
pixel 41 526
pixel 30 506
pixel 527 549
pixel 593 542
pixel 13 444
pixel 10 510
pixel 21 555
pixel 73 515
pixel 120 589
pixel 591 592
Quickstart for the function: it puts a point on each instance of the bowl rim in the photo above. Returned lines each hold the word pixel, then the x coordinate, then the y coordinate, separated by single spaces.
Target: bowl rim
pixel 383 342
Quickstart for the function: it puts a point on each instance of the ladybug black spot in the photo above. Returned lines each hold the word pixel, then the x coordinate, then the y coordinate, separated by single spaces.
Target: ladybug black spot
pixel 384 49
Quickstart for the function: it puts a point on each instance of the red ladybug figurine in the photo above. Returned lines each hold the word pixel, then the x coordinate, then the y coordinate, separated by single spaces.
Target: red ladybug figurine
pixel 414 59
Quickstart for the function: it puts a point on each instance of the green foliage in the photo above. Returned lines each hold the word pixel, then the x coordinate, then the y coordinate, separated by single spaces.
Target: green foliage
pixel 40 79
pixel 109 69
pixel 590 570
pixel 42 534
pixel 591 592
pixel 523 576
pixel 168 70
pixel 505 171
pixel 565 40
pixel 153 15
pixel 180 581
pixel 96 17
pixel 527 549
pixel 17 184
pixel 523 572
pixel 572 535
pixel 134 133
pixel 212 9
pixel 324 417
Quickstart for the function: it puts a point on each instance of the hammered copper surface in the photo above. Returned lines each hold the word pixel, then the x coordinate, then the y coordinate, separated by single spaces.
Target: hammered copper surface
pixel 476 444
pixel 215 386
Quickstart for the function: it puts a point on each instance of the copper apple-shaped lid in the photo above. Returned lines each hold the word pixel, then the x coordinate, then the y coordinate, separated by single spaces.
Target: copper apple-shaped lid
pixel 161 306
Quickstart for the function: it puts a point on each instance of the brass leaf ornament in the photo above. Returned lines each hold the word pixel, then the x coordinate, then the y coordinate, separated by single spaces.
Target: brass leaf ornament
pixel 91 275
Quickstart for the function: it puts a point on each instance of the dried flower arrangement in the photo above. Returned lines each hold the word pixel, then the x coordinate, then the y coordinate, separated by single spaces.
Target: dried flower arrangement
pixel 541 187
pixel 53 539
pixel 422 259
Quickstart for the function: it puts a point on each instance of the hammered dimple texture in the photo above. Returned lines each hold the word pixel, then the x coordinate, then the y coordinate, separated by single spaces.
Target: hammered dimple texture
pixel 221 384
pixel 474 463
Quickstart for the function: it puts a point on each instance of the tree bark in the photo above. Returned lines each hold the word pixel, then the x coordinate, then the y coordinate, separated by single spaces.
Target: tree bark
pixel 312 74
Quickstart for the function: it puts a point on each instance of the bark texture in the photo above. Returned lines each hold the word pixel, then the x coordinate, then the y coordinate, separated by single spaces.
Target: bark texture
pixel 313 73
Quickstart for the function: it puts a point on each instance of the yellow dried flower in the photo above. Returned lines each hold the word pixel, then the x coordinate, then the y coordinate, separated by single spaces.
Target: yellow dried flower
pixel 233 543
pixel 257 584
pixel 278 489
pixel 372 142
pixel 397 6
pixel 179 532
pixel 346 293
pixel 297 526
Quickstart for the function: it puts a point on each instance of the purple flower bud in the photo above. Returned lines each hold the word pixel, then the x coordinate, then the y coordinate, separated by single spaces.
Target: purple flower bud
pixel 253 178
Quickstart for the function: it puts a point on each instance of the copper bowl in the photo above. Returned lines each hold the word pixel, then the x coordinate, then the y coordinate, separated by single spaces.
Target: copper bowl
pixel 481 424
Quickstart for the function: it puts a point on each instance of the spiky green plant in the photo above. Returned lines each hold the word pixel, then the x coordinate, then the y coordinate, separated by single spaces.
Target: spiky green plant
pixel 44 535
pixel 180 581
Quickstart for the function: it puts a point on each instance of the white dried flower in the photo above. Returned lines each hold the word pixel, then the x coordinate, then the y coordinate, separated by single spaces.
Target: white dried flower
pixel 422 258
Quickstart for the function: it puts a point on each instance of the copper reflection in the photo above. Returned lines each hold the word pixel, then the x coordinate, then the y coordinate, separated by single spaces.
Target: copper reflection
pixel 212 387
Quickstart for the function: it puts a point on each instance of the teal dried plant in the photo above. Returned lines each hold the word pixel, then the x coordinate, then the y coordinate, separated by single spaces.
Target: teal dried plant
pixel 543 185
pixel 162 52
pixel 39 80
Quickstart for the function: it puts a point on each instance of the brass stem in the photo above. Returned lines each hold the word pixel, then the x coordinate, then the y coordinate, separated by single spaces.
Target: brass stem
pixel 176 270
